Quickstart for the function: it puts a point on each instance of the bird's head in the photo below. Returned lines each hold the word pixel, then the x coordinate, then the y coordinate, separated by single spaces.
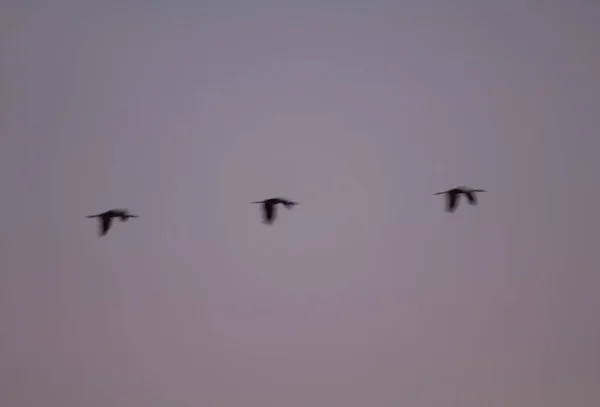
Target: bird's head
pixel 125 215
pixel 289 204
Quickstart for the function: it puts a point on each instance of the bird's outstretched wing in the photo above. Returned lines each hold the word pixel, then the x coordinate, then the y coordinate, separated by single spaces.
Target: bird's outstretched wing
pixel 451 201
pixel 105 223
pixel 269 213
pixel 471 197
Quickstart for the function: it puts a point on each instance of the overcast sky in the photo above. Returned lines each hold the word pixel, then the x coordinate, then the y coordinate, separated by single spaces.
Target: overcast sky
pixel 367 293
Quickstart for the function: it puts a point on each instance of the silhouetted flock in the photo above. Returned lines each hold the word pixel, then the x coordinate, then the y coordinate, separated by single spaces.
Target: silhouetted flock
pixel 269 207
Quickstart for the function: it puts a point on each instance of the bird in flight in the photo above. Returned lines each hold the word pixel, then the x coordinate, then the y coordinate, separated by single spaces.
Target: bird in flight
pixel 270 210
pixel 452 196
pixel 107 217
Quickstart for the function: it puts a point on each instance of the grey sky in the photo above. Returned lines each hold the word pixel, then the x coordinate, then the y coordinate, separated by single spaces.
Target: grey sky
pixel 367 293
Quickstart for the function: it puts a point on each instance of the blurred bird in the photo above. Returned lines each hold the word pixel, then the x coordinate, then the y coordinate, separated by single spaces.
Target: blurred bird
pixel 107 217
pixel 270 210
pixel 452 196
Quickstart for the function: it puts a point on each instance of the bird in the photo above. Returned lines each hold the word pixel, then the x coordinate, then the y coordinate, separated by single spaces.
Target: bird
pixel 107 217
pixel 270 210
pixel 452 196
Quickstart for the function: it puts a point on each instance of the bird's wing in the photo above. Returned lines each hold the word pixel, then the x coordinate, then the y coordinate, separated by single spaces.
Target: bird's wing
pixel 471 197
pixel 105 223
pixel 268 213
pixel 451 202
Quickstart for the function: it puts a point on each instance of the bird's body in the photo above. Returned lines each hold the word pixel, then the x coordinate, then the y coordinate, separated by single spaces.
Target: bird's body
pixel 270 209
pixel 107 217
pixel 452 196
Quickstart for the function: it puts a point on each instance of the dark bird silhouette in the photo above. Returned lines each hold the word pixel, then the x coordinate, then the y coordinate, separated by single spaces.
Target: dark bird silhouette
pixel 270 209
pixel 107 217
pixel 452 196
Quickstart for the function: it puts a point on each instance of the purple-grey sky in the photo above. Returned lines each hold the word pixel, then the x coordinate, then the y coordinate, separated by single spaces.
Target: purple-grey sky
pixel 367 293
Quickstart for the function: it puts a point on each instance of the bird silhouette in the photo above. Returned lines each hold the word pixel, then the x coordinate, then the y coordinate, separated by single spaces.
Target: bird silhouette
pixel 452 196
pixel 270 209
pixel 107 217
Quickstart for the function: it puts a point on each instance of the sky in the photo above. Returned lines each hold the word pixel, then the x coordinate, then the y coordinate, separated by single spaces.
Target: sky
pixel 367 292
